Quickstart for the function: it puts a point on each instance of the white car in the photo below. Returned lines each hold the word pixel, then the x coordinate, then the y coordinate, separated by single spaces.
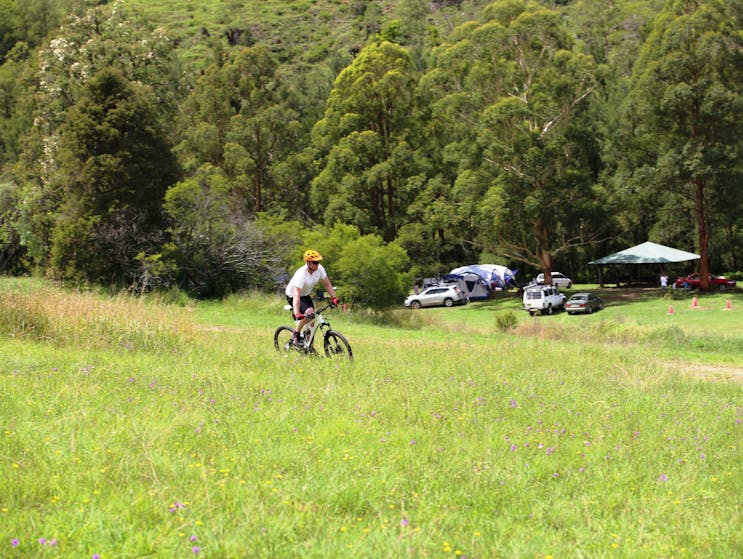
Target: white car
pixel 446 295
pixel 558 279
pixel 543 299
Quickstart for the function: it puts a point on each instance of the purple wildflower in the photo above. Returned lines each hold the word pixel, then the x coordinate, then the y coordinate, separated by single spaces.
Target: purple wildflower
pixel 514 403
pixel 404 522
pixel 196 549
pixel 14 542
pixel 663 477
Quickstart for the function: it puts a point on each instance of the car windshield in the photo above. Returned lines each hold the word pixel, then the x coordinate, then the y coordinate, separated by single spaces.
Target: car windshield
pixel 578 298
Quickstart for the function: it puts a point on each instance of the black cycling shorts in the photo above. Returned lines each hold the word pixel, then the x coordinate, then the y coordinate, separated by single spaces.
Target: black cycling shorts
pixel 305 303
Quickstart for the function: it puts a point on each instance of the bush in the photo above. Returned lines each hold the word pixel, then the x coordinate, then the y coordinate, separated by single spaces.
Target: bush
pixel 367 271
pixel 506 321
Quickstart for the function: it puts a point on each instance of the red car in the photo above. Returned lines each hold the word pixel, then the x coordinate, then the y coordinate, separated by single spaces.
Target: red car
pixel 692 281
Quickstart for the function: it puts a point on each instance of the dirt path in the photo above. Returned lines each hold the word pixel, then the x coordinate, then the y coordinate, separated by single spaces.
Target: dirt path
pixel 721 373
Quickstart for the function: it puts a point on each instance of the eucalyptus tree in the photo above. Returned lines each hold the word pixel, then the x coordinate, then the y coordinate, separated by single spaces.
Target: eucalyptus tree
pixel 688 91
pixel 514 91
pixel 240 118
pixel 615 33
pixel 366 142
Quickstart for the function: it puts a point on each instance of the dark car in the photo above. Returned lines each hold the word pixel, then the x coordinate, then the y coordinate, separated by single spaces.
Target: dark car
pixel 583 303
pixel 692 281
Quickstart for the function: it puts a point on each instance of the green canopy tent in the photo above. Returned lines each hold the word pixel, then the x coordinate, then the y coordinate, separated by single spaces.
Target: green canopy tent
pixel 646 253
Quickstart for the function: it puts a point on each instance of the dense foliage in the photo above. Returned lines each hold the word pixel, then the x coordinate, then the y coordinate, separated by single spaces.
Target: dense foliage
pixel 143 145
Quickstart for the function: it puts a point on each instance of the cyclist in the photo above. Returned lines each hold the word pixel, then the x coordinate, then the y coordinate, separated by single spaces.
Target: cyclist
pixel 300 287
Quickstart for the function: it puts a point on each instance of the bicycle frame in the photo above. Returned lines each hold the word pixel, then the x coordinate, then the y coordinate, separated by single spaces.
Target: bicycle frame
pixel 317 322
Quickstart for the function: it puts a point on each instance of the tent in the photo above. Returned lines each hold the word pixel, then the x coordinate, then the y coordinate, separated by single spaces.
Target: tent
pixel 471 284
pixel 494 275
pixel 647 253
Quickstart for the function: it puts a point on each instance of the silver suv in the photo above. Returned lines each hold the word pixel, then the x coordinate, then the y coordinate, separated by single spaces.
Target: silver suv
pixel 446 295
pixel 543 299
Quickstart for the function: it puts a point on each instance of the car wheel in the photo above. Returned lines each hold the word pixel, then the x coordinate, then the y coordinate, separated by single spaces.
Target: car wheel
pixel 415 304
pixel 448 302
pixel 570 284
pixel 590 309
pixel 549 309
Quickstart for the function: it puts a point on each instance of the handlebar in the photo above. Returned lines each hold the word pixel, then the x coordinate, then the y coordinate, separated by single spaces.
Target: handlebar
pixel 318 311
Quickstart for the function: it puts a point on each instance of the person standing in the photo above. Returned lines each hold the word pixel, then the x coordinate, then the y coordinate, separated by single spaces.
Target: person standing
pixel 300 287
pixel 663 281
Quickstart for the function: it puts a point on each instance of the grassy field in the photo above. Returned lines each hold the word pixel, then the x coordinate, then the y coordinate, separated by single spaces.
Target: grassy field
pixel 137 428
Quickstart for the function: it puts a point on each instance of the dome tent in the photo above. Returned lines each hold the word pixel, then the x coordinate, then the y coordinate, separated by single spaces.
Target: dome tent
pixel 470 283
pixel 494 275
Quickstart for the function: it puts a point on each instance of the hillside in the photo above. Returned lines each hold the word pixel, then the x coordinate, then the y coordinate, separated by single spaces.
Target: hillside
pixel 306 31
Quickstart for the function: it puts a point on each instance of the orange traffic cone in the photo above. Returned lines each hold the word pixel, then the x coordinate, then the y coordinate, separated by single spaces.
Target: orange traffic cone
pixel 670 309
pixel 694 303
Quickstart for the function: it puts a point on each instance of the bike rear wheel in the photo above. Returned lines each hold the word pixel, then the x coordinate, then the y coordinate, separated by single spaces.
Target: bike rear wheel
pixel 282 339
pixel 336 345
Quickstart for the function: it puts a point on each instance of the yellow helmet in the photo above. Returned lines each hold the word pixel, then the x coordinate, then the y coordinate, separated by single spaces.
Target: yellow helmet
pixel 312 256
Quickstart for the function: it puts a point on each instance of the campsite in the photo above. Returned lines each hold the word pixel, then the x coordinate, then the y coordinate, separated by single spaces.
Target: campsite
pixel 165 165
pixel 172 429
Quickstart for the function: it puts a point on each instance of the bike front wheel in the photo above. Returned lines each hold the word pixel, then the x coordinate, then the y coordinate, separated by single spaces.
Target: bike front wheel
pixel 282 339
pixel 336 345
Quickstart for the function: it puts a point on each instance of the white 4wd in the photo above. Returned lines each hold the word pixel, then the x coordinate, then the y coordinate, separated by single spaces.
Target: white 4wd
pixel 543 299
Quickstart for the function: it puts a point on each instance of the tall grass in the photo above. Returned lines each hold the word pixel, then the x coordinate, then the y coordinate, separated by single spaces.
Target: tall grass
pixel 435 442
pixel 84 319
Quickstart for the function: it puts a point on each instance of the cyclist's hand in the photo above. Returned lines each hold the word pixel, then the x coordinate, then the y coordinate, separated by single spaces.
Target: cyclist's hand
pixel 336 301
pixel 299 316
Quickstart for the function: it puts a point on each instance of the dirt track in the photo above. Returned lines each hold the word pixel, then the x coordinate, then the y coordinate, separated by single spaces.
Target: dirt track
pixel 720 373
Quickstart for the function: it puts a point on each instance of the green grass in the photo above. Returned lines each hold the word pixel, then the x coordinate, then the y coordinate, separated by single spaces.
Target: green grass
pixel 156 430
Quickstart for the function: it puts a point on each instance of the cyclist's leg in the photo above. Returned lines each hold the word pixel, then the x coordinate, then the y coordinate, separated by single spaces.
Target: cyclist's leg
pixel 305 302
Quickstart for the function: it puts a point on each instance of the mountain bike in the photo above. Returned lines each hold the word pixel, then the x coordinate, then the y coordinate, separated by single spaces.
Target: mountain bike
pixel 334 343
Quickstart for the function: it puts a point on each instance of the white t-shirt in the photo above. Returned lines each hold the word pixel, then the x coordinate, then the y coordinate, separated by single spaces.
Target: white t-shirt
pixel 305 281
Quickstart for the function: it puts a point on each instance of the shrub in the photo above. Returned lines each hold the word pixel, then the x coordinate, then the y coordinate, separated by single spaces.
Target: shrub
pixel 506 321
pixel 368 271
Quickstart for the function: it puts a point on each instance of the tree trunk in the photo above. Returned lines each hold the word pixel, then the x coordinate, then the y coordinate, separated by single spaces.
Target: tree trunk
pixel 543 253
pixel 703 236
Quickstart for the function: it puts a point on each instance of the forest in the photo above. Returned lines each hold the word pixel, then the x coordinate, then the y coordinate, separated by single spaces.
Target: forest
pixel 169 144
